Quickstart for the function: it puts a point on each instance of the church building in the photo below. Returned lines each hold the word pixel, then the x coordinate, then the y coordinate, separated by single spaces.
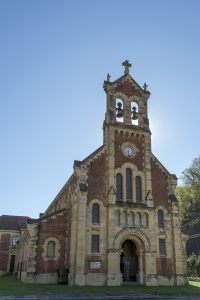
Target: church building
pixel 116 220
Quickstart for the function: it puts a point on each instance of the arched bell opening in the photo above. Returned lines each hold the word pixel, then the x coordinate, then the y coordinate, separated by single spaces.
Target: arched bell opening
pixel 129 261
pixel 119 110
pixel 134 113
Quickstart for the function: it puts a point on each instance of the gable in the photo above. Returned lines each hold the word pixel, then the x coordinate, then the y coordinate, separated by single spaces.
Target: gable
pixel 126 85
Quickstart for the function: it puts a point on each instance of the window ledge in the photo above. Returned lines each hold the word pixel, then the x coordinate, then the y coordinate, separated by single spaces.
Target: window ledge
pixel 131 203
pixel 161 231
pixel 50 258
pixel 95 253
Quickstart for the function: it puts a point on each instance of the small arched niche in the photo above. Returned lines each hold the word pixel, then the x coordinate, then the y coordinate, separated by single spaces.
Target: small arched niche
pixel 134 113
pixel 119 110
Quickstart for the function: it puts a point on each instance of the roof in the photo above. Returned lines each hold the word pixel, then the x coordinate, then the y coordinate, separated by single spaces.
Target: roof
pixel 78 163
pixel 45 216
pixel 12 222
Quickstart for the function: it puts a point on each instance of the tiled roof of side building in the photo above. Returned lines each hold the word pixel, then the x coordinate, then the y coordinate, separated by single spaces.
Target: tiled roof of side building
pixel 13 222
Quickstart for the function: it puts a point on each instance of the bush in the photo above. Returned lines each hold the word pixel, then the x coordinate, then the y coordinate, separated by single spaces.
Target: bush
pixel 193 265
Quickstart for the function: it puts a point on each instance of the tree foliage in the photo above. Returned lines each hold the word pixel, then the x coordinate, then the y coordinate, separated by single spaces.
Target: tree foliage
pixel 189 194
pixel 191 175
pixel 193 265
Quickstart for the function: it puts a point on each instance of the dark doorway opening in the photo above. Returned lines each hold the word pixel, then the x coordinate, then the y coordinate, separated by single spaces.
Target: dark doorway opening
pixel 129 261
pixel 12 263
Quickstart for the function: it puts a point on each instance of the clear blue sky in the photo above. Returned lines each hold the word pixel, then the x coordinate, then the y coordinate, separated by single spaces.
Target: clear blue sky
pixel 54 56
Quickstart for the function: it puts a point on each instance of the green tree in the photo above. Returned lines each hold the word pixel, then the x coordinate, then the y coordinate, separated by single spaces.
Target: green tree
pixel 191 265
pixel 191 175
pixel 189 194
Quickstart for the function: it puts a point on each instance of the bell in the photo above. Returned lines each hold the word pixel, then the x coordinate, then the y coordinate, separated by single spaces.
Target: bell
pixel 134 113
pixel 119 113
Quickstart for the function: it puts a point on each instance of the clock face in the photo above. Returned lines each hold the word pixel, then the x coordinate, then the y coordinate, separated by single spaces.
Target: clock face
pixel 128 151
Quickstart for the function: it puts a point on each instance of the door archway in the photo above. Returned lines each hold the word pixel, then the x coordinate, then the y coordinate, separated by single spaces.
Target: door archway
pixel 129 261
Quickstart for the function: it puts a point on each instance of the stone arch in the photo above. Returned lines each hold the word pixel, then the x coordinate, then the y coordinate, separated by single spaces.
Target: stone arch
pixel 140 239
pixel 57 248
pixel 120 95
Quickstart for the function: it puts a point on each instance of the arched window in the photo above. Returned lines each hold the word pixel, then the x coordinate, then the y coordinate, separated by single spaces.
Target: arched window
pixel 119 110
pixel 138 183
pixel 128 184
pixel 134 113
pixel 51 249
pixel 160 219
pixel 119 187
pixel 95 213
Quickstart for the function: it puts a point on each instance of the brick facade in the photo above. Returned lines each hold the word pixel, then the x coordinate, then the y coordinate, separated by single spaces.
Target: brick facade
pixel 159 185
pixel 122 137
pixel 52 227
pixel 97 179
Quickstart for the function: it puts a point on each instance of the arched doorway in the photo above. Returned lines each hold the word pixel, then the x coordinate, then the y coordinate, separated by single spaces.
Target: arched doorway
pixel 129 261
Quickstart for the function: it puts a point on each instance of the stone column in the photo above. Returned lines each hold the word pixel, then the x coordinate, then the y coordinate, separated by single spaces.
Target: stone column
pixel 141 265
pixel 114 276
pixel 31 262
pixel 148 188
pixel 80 250
pixel 127 112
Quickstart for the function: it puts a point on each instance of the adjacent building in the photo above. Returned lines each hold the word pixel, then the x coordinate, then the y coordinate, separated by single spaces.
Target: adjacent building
pixel 11 230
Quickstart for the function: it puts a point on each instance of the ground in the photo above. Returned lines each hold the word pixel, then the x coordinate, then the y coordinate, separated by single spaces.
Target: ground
pixel 12 287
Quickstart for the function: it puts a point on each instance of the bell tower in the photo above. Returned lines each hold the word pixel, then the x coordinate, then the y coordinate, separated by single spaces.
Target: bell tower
pixel 126 101
pixel 126 131
pixel 127 138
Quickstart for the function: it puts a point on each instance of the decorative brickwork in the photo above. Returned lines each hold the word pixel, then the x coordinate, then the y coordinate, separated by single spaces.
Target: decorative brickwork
pixel 159 185
pixel 138 141
pixel 128 89
pixel 97 179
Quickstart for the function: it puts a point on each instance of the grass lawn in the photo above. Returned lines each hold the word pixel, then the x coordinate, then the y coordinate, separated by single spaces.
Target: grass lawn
pixel 12 287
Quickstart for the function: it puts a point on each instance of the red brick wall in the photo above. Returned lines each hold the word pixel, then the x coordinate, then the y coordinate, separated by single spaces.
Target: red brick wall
pixel 120 159
pixel 164 266
pixel 4 251
pixel 5 242
pixel 159 185
pixel 53 228
pixel 97 179
pixel 3 261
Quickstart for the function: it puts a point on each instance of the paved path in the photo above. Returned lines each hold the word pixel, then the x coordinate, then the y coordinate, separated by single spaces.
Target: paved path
pixel 99 297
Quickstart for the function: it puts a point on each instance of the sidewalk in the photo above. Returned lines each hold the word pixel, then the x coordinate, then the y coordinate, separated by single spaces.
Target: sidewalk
pixel 99 297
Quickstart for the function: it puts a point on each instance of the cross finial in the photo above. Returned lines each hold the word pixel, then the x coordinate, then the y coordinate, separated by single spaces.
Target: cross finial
pixel 127 65
pixel 145 86
pixel 108 77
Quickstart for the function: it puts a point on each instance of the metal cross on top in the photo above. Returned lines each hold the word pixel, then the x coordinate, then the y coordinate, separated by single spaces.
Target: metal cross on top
pixel 127 65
